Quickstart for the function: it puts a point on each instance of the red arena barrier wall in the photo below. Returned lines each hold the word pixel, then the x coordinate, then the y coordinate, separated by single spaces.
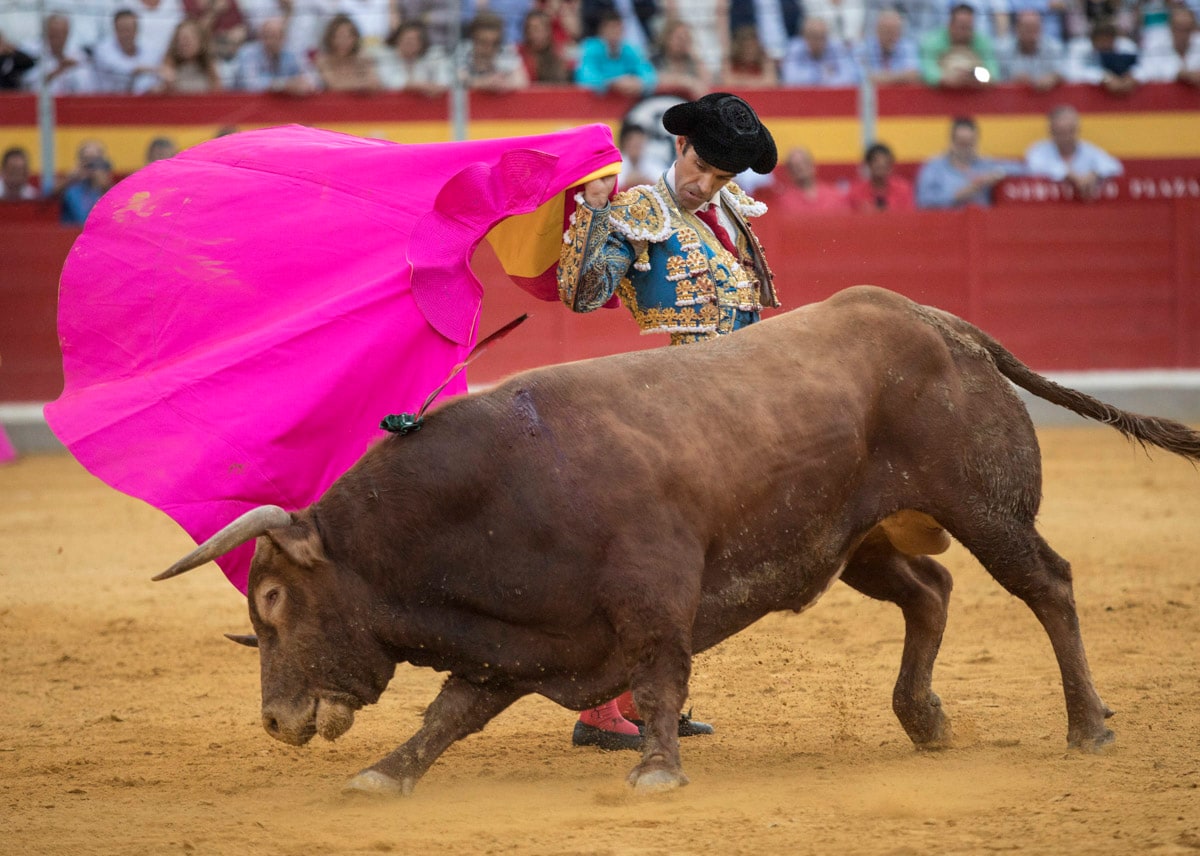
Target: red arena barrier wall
pixel 1105 285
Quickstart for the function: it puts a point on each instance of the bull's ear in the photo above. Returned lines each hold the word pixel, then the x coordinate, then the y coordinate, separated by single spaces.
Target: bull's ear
pixel 249 640
pixel 300 542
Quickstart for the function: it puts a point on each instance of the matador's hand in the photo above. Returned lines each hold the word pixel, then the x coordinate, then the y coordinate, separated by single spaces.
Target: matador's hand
pixel 597 191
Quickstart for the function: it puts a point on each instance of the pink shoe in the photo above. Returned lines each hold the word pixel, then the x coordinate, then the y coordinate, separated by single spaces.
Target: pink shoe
pixel 626 705
pixel 606 728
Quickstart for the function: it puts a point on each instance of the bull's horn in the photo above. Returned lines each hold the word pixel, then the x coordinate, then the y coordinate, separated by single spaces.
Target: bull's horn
pixel 250 525
pixel 249 640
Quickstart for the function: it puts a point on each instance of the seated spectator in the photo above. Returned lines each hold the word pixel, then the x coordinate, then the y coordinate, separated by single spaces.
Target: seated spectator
pixel 880 190
pixel 411 64
pixel 377 19
pixel 223 23
pixel 341 63
pixel 541 53
pixel 161 148
pixel 14 63
pixel 157 20
pixel 511 14
pixel 957 56
pixel 708 21
pixel 1121 13
pixel 679 71
pixel 795 188
pixel 1029 56
pixel 1065 157
pixel 566 26
pixel 815 59
pixel 1105 58
pixel 268 65
pixel 1051 14
pixel 631 141
pixel 920 16
pixel 82 188
pixel 443 20
pixel 1177 59
pixel 992 17
pixel 14 169
pixel 65 70
pixel 608 63
pixel 305 21
pixel 491 65
pixel 960 176
pixel 747 65
pixel 845 20
pixel 189 68
pixel 122 63
pixel 889 56
pixel 639 20
pixel 775 22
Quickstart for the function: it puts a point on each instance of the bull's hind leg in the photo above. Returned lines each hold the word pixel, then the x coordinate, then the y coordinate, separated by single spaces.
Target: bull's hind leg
pixel 1027 567
pixel 461 708
pixel 921 588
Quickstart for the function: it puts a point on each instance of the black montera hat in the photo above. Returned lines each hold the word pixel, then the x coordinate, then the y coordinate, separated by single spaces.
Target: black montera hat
pixel 726 132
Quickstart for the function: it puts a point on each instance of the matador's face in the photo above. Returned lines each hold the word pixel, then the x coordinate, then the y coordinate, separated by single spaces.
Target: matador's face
pixel 696 181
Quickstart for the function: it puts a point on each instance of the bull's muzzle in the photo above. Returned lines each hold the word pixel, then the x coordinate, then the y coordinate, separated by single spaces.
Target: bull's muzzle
pixel 331 719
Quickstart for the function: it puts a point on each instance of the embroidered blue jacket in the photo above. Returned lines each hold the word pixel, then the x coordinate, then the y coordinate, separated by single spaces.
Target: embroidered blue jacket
pixel 665 265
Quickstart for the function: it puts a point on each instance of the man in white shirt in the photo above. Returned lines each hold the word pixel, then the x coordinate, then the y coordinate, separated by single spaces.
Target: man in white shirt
pixel 1065 157
pixel 121 62
pixel 65 70
pixel 157 20
pixel 1176 58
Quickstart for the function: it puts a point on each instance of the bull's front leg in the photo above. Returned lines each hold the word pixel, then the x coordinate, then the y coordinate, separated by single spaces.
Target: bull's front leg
pixel 659 683
pixel 461 708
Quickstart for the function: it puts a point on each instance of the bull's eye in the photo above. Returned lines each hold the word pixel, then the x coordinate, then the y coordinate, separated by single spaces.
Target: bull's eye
pixel 270 601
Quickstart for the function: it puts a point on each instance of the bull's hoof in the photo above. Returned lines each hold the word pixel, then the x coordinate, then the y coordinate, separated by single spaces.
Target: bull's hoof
pixel 1094 745
pixel 925 722
pixel 657 780
pixel 943 740
pixel 375 783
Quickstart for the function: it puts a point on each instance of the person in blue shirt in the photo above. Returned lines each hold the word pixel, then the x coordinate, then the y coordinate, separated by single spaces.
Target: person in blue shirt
pixel 608 63
pixel 90 180
pixel 267 65
pixel 889 56
pixel 1065 157
pixel 960 176
pixel 815 59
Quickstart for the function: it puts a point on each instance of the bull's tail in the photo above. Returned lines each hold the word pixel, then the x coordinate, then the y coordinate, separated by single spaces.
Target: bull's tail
pixel 1147 430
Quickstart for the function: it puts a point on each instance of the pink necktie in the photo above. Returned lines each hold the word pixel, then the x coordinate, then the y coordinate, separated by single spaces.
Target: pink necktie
pixel 709 218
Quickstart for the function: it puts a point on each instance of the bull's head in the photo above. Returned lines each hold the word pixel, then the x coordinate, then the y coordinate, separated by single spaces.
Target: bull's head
pixel 320 658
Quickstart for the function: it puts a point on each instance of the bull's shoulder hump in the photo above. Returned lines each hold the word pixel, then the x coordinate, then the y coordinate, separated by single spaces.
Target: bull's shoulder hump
pixel 641 214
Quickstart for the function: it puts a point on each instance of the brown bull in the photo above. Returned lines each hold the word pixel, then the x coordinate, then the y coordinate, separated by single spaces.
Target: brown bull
pixel 588 527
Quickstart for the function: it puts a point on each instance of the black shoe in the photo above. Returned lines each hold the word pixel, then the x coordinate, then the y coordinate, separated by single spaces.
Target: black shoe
pixel 688 727
pixel 609 741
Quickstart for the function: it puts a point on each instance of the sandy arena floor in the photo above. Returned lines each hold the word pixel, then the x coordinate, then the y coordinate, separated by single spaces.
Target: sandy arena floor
pixel 131 726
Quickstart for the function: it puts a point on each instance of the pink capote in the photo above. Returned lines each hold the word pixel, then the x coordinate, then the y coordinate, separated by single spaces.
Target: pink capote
pixel 236 320
pixel 7 451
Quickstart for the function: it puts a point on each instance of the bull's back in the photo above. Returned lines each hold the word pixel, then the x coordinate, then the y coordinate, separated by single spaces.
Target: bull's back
pixel 791 401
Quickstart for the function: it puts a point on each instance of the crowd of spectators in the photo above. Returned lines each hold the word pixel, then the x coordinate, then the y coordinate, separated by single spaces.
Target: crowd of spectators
pixel 959 177
pixel 630 47
pixel 685 47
